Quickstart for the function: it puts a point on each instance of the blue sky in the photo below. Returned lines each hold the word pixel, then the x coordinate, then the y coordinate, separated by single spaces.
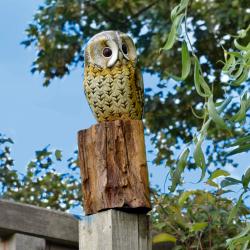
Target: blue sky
pixel 35 116
pixel 31 114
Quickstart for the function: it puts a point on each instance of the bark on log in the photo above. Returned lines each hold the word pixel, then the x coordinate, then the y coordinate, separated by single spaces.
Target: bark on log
pixel 113 167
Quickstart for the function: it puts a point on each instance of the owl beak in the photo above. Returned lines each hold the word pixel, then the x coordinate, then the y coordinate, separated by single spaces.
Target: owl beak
pixel 120 56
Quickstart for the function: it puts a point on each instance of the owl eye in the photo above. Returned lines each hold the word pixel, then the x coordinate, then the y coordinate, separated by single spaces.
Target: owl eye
pixel 107 52
pixel 124 48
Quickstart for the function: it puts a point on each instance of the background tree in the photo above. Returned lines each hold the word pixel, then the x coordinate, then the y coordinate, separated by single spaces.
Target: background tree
pixel 8 176
pixel 195 220
pixel 44 183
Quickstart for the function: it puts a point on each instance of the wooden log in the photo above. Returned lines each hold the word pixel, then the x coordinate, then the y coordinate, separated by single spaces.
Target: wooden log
pixel 113 230
pixel 113 167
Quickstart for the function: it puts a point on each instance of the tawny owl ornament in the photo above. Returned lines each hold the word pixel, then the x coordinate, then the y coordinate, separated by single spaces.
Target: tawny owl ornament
pixel 112 82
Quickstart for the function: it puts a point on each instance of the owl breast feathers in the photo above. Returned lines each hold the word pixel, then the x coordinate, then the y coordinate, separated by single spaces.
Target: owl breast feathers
pixel 113 84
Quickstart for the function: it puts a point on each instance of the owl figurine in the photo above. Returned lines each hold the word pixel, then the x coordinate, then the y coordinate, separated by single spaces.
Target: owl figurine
pixel 113 84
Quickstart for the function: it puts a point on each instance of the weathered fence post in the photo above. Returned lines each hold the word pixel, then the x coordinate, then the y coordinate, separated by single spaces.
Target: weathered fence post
pixel 115 186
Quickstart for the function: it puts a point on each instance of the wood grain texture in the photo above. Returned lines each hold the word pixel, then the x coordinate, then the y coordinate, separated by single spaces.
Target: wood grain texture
pixel 40 222
pixel 27 242
pixel 113 230
pixel 113 167
pixel 23 242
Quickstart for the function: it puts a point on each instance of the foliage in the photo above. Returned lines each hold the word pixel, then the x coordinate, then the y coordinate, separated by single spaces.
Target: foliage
pixel 8 176
pixel 237 68
pixel 196 219
pixel 41 184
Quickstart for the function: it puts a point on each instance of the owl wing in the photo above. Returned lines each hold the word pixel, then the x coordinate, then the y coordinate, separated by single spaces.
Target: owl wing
pixel 87 91
pixel 140 87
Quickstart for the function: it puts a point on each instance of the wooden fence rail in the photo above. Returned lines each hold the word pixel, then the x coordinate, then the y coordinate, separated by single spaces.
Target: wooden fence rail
pixel 25 227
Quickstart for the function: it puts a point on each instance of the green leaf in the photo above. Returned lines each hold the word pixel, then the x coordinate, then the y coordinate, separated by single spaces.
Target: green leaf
pixel 243 32
pixel 241 114
pixel 173 32
pixel 213 113
pixel 238 239
pixel 241 140
pixel 181 163
pixel 200 84
pixel 229 181
pixel 212 183
pixel 186 62
pixel 58 155
pixel 238 242
pixel 236 54
pixel 230 63
pixel 179 8
pixel 246 179
pixel 241 47
pixel 184 196
pixel 196 115
pixel 198 226
pixel 235 210
pixel 199 157
pixel 241 149
pixel 160 225
pixel 163 237
pixel 41 154
pixel 243 77
pixel 244 106
pixel 224 104
pixel 174 12
pixel 217 173
pixel 31 164
pixel 183 5
pixel 171 38
pixel 237 73
pixel 245 245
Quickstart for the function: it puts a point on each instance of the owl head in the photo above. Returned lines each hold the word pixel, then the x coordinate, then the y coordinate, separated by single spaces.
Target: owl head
pixel 110 48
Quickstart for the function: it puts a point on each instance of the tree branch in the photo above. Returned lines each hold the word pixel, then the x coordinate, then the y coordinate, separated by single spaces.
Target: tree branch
pixel 106 16
pixel 144 9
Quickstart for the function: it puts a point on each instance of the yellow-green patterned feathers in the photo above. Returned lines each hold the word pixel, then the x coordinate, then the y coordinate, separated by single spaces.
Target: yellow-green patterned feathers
pixel 112 83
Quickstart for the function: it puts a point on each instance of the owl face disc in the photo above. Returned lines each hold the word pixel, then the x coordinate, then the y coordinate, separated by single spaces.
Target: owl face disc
pixel 113 85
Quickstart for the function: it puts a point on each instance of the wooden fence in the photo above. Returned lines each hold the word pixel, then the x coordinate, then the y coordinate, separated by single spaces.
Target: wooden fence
pixel 25 227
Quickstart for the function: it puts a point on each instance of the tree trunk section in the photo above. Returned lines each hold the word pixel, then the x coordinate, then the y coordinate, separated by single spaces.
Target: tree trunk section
pixel 113 167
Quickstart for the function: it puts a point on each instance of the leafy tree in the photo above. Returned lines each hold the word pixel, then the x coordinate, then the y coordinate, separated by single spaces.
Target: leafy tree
pixel 43 184
pixel 237 68
pixel 195 220
pixel 8 176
